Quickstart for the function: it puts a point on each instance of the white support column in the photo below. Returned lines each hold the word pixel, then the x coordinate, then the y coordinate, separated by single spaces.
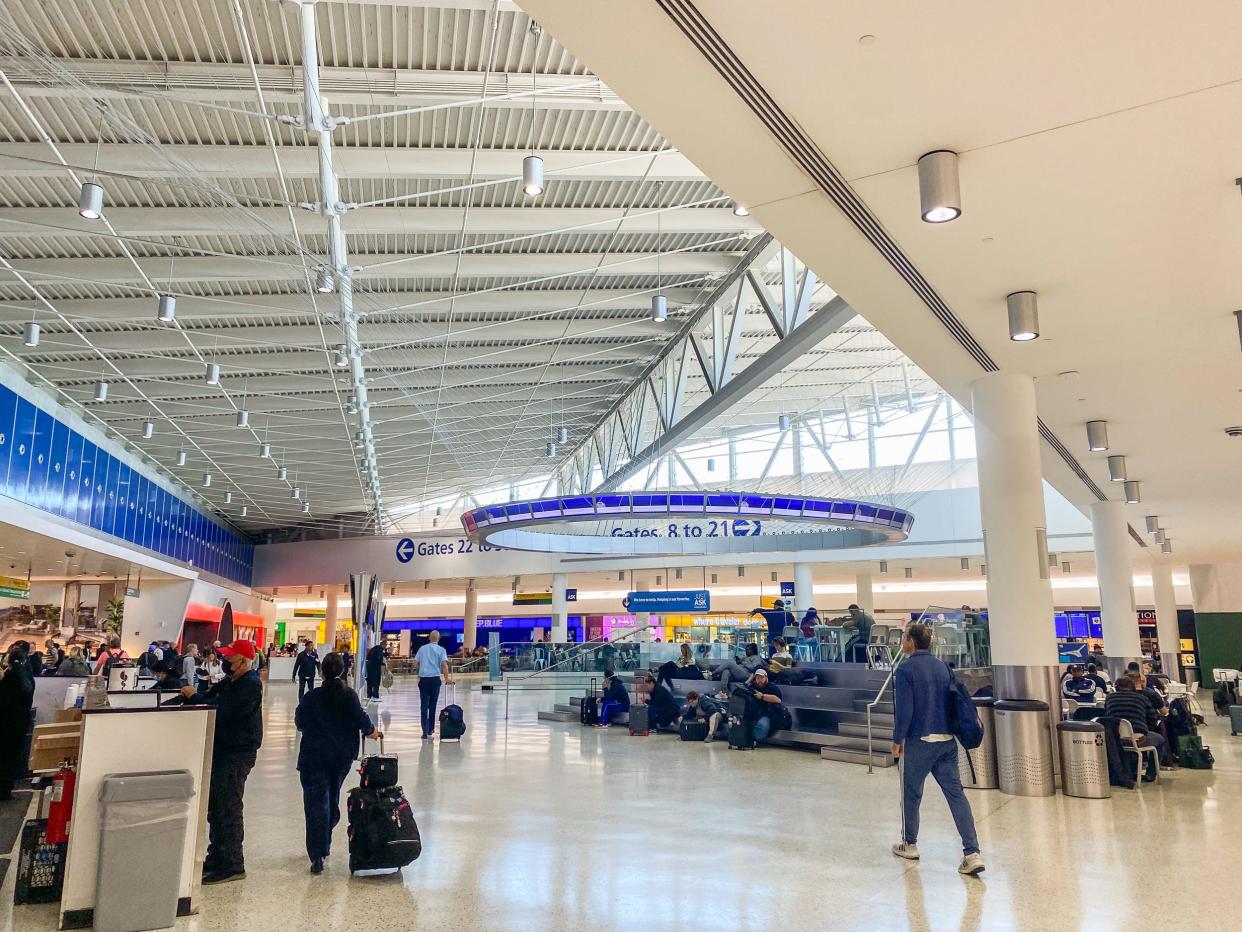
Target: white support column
pixel 1112 569
pixel 1167 633
pixel 470 631
pixel 804 589
pixel 560 619
pixel 1011 505
pixel 864 593
pixel 330 613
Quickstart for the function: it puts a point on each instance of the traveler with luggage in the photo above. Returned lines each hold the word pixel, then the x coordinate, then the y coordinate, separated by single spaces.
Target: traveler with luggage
pixel 700 706
pixel 432 660
pixel 304 669
pixel 616 700
pixel 768 713
pixel 737 671
pixel 662 705
pixel 331 719
pixel 374 670
pixel 1128 703
pixel 238 701
pixel 924 744
pixel 16 698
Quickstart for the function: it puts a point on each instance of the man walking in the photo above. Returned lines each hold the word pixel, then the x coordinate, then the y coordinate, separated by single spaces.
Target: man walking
pixel 432 662
pixel 304 669
pixel 238 700
pixel 923 744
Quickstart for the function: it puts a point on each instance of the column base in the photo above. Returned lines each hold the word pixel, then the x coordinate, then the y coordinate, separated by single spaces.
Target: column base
pixel 1042 683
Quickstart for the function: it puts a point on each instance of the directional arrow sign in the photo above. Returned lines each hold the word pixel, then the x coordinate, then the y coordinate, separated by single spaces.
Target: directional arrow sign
pixel 405 550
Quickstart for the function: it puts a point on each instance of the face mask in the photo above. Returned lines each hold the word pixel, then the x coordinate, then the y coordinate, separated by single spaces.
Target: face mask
pixel 226 666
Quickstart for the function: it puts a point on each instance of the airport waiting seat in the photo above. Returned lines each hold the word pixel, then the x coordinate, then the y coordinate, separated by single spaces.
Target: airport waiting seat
pixel 1130 745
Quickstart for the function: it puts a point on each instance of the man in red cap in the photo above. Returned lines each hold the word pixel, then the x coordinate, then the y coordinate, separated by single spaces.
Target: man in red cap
pixel 238 701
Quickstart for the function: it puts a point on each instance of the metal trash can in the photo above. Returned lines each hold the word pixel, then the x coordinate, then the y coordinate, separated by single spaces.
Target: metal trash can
pixel 141 844
pixel 1084 760
pixel 1023 748
pixel 983 758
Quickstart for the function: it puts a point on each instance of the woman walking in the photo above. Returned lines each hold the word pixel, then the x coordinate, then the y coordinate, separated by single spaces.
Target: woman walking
pixel 331 719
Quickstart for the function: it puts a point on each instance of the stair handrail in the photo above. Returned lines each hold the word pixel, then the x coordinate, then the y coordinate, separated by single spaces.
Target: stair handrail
pixel 873 703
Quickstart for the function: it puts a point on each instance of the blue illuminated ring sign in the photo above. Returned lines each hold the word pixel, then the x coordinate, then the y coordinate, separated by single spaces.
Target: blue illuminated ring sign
pixel 646 523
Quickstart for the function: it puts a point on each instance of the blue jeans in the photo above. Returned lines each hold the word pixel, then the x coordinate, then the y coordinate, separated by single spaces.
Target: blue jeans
pixel 920 758
pixel 321 802
pixel 607 709
pixel 763 728
pixel 428 695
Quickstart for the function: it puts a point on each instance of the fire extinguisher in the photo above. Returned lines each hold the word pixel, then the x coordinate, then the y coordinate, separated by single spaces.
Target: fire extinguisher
pixel 62 804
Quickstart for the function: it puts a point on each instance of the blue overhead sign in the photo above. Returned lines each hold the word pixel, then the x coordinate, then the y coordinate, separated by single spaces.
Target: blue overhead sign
pixel 1073 653
pixel 690 600
pixel 787 590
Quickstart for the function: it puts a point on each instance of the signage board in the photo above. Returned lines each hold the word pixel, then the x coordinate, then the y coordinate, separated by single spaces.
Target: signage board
pixel 13 588
pixel 1073 653
pixel 787 590
pixel 690 600
pixel 132 592
pixel 542 598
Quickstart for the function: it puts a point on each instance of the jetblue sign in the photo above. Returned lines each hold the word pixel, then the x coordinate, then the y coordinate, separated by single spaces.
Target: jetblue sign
pixel 690 600
pixel 735 527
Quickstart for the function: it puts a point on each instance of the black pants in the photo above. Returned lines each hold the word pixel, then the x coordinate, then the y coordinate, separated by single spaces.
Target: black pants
pixel 429 696
pixel 321 801
pixel 305 685
pixel 373 687
pixel 225 821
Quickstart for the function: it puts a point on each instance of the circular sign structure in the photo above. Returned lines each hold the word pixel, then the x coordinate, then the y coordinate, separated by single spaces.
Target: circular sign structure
pixel 647 523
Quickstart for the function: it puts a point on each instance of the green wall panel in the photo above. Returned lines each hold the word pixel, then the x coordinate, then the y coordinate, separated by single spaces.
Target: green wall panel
pixel 1220 643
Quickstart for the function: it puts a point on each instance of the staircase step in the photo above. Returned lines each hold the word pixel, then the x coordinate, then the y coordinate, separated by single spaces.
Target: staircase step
pixel 880 732
pixel 546 716
pixel 855 757
pixel 878 719
pixel 857 743
pixel 566 707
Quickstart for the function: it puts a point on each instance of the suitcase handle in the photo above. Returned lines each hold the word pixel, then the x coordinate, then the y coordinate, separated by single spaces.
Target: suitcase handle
pixel 362 751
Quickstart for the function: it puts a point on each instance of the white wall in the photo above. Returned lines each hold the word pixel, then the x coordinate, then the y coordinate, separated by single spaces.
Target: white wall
pixel 156 615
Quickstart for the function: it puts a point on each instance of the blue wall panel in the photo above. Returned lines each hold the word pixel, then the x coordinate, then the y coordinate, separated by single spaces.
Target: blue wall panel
pixel 48 465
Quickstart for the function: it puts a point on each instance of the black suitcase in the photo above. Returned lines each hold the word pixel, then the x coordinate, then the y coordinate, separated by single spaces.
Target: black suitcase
pixel 378 771
pixel 741 734
pixel 739 701
pixel 589 711
pixel 639 720
pixel 695 730
pixel 382 832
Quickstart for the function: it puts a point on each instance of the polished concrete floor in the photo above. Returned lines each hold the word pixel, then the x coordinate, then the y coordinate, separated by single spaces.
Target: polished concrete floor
pixel 556 827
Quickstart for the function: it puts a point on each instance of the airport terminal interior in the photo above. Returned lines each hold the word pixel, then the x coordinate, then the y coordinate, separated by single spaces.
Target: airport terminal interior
pixel 659 464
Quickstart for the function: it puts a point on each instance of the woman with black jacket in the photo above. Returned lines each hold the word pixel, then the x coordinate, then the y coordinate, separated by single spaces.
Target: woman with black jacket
pixel 331 719
pixel 16 698
pixel 375 670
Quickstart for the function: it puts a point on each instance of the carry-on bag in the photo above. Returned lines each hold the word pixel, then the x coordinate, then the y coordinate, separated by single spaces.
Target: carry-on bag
pixel 640 720
pixel 588 712
pixel 452 718
pixel 382 832
pixel 378 771
pixel 1235 720
pixel 741 734
pixel 693 730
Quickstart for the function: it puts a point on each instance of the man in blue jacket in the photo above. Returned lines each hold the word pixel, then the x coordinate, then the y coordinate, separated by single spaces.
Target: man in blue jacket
pixel 923 744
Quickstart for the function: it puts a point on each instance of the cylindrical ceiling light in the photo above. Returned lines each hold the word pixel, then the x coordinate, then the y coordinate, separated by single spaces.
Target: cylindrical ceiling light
pixel 1131 488
pixel 965 563
pixel 167 309
pixel 206 480
pixel 1166 545
pixel 30 334
pixel 659 308
pixel 562 435
pixel 550 449
pixel 101 390
pixel 181 457
pixel 782 421
pixel 883 567
pixel 295 492
pixel 1153 523
pixel 213 373
pixel 740 211
pixel 324 283
pixel 909 572
pixel 940 195
pixel 1023 316
pixel 148 430
pixel 243 418
pixel 1097 436
pixel 228 498
pixel 282 473
pixel 342 359
pixel 532 175
pixel 1117 468
pixel 90 201
pixel 305 508
pixel 245 510
pixel 1159 535
pixel 265 450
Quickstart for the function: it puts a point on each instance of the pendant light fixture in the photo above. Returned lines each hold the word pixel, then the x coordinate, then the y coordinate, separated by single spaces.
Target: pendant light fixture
pixel 562 435
pixel 206 480
pixel 228 498
pixel 342 360
pixel 101 390
pixel 1166 545
pixel 265 450
pixel 711 465
pixel 31 333
pixel 1023 316
pixel 659 302
pixel 1153 523
pixel 940 196
pixel 245 510
pixel 1097 436
pixel 740 211
pixel 550 449
pixel 324 281
pixel 213 373
pixel 1131 488
pixel 181 457
pixel 532 165
pixel 243 413
pixel 782 422
pixel 148 430
pixel 90 201
pixel 166 308
pixel 295 492
pixel 1116 468
pixel 305 508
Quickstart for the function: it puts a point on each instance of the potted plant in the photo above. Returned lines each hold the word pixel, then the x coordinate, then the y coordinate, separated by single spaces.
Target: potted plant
pixel 114 616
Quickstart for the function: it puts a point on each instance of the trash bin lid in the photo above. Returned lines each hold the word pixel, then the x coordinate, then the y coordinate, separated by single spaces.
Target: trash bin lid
pixel 983 700
pixel 1020 705
pixel 140 787
pixel 1079 726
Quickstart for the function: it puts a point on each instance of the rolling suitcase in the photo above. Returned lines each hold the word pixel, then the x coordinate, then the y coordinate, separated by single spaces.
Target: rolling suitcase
pixel 378 771
pixel 639 720
pixel 1235 720
pixel 741 734
pixel 588 712
pixel 382 832
pixel 695 730
pixel 452 719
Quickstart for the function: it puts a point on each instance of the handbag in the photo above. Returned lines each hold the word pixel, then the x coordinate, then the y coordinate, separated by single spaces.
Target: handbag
pixel 385 676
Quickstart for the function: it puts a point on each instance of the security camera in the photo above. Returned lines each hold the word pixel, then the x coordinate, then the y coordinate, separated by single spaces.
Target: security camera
pixel 1233 431
pixel 71 554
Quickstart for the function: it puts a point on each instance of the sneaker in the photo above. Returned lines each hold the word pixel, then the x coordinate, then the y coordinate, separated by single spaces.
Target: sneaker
pixel 722 695
pixel 906 849
pixel 317 866
pixel 709 739
pixel 223 876
pixel 972 864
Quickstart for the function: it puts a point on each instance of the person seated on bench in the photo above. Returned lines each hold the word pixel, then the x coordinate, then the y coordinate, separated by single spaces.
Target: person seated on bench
pixel 616 699
pixel 770 715
pixel 738 672
pixel 1078 687
pixel 662 708
pixel 1131 705
pixel 705 707
pixel 859 622
pixel 683 668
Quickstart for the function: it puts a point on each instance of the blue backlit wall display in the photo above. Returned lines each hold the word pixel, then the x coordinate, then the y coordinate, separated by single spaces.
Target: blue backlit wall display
pixel 48 465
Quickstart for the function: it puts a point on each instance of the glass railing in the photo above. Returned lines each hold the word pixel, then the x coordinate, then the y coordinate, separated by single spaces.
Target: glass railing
pixel 959 636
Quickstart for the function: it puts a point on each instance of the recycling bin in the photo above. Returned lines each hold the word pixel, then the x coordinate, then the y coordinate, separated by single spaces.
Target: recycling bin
pixel 1023 747
pixel 144 817
pixel 1084 760
pixel 978 766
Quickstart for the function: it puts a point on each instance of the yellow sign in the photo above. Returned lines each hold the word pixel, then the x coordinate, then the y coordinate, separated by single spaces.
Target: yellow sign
pixel 1187 644
pixel 14 588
